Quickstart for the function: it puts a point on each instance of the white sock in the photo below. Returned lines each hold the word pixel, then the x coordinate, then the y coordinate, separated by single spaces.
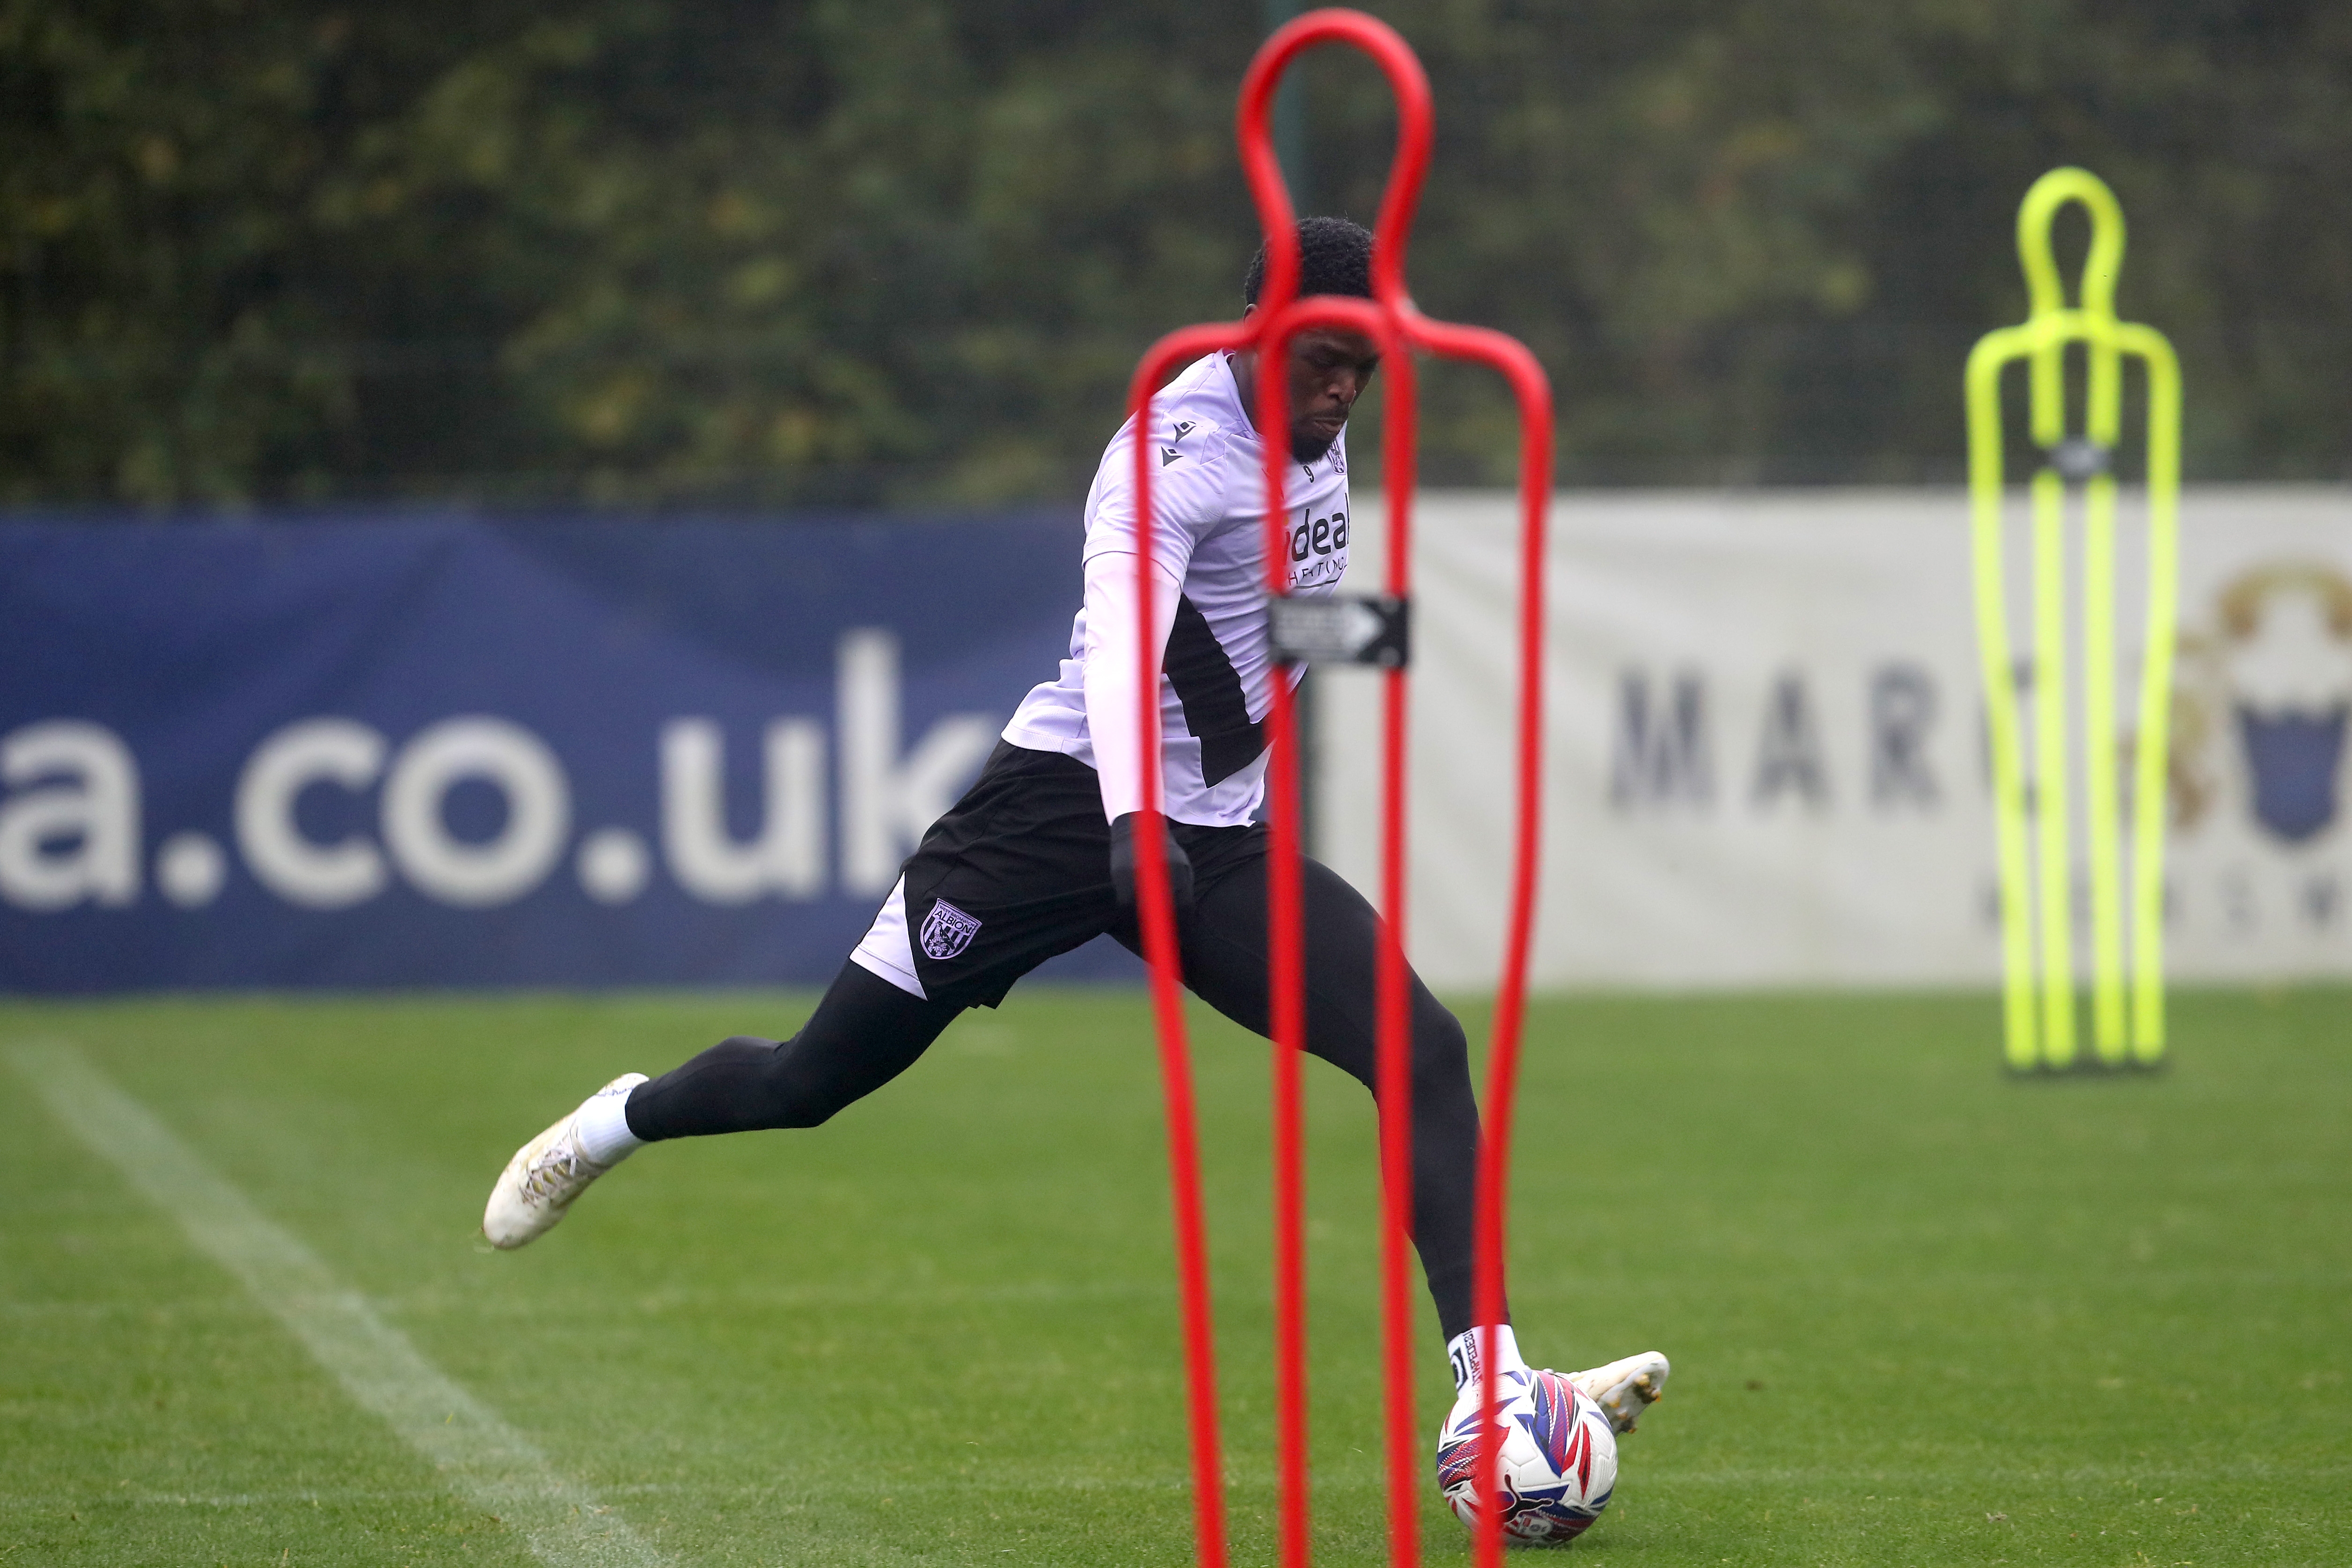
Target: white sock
pixel 1462 1353
pixel 603 1123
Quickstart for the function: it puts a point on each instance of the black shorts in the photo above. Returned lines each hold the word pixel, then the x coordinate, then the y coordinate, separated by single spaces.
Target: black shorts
pixel 1020 870
pixel 1017 871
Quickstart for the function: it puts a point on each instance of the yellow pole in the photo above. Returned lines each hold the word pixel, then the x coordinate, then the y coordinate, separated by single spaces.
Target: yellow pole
pixel 2099 782
pixel 2052 791
pixel 2150 810
pixel 2103 426
pixel 2087 461
pixel 2020 1041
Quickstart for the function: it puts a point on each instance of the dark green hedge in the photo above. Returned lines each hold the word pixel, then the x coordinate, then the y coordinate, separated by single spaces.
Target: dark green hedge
pixel 709 251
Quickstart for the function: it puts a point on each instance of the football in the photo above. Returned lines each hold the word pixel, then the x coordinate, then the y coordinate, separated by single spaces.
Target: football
pixel 1557 1464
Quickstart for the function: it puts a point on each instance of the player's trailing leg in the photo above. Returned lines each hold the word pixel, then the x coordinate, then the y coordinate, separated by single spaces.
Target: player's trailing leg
pixel 864 1033
pixel 546 1174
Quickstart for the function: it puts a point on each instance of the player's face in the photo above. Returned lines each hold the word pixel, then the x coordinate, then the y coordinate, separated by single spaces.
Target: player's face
pixel 1328 371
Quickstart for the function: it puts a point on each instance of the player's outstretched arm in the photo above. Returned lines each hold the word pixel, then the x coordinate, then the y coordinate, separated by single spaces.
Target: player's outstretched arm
pixel 1114 717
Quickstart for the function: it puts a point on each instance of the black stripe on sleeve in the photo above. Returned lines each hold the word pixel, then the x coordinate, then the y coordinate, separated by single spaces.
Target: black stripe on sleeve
pixel 1216 708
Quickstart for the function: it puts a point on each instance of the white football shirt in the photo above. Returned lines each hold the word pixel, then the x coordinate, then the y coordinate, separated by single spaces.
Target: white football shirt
pixel 1208 496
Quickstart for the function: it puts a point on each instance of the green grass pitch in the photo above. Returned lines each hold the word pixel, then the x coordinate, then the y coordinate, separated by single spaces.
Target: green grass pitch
pixel 1919 1313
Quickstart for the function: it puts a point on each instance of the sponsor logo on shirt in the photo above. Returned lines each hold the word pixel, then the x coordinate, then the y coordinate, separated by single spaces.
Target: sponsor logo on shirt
pixel 1319 548
pixel 1318 536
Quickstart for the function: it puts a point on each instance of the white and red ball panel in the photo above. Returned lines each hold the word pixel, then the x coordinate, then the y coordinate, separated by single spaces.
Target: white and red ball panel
pixel 1558 1464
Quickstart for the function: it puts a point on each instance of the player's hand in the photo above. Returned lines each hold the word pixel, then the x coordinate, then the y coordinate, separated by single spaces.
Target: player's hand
pixel 1123 874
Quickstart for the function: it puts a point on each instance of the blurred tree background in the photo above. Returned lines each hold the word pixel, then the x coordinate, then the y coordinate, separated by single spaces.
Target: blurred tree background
pixel 717 253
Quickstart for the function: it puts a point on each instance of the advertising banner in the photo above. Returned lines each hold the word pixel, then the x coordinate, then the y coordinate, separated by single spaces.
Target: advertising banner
pixel 1766 762
pixel 394 753
pixel 375 753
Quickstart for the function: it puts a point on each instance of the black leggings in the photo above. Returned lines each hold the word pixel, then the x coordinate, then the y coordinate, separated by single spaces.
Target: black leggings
pixel 866 1032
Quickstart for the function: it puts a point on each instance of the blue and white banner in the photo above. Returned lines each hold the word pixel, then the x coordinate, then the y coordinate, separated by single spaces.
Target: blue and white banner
pixel 1766 763
pixel 357 753
pixel 371 752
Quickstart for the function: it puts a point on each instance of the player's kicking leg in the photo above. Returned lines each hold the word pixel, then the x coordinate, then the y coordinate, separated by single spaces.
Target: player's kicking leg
pixel 1623 1389
pixel 1226 965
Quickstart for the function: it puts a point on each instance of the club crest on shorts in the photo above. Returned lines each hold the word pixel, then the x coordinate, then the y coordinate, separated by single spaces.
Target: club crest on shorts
pixel 948 930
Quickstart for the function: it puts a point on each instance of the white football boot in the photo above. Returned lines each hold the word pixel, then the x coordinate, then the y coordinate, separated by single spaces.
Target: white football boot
pixel 1623 1389
pixel 545 1176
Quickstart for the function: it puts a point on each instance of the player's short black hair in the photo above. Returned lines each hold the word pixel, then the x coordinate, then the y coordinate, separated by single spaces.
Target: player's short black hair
pixel 1334 257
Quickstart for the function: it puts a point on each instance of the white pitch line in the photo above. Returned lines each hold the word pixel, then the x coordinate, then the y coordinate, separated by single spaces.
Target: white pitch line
pixel 482 1459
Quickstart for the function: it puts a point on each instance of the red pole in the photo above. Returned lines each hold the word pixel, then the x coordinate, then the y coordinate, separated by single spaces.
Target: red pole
pixel 1156 914
pixel 1393 1015
pixel 1532 392
pixel 1286 954
pixel 1285 977
pixel 1393 321
pixel 1286 988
